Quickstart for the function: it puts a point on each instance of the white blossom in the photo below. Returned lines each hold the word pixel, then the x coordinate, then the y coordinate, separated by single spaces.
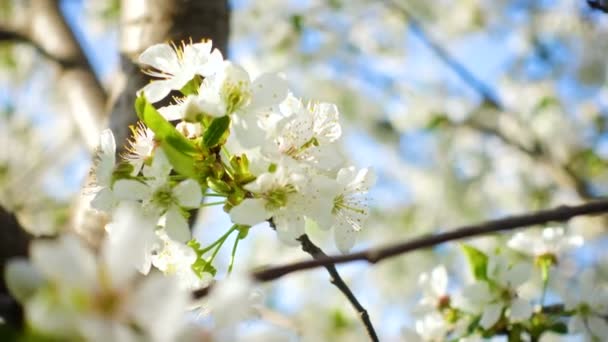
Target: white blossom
pixel 100 297
pixel 230 90
pixel 278 196
pixel 551 240
pixel 105 161
pixel 350 207
pixel 141 146
pixel 174 66
pixel 590 306
pixel 307 134
pixel 434 285
pixel 160 198
pixel 490 299
pixel 176 259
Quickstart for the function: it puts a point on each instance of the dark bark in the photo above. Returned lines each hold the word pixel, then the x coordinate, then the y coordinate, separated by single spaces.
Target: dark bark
pixel 14 242
pixel 142 24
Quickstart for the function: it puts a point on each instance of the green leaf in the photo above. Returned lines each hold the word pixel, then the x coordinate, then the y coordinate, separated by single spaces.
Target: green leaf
pixel 297 23
pixel 201 266
pixel 559 327
pixel 179 149
pixel 216 130
pixel 191 88
pixel 478 262
pixel 437 122
pixel 545 103
pixel 182 163
pixel 163 129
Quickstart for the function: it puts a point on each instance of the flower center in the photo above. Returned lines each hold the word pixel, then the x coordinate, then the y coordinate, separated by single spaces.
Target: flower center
pixel 235 95
pixel 277 198
pixel 342 203
pixel 163 197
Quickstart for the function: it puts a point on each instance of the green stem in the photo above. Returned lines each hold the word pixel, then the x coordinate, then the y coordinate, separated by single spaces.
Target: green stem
pixel 212 203
pixel 234 247
pixel 220 240
pixel 215 195
pixel 217 249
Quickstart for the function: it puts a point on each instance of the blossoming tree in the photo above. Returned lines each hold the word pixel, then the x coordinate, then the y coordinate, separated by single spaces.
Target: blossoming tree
pixel 210 137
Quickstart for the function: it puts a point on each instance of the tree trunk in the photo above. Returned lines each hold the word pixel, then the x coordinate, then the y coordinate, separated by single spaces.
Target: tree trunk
pixel 148 22
pixel 144 23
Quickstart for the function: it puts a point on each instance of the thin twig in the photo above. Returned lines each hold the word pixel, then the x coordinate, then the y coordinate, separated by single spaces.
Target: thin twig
pixel 316 253
pixel 489 98
pixel 476 84
pixel 377 254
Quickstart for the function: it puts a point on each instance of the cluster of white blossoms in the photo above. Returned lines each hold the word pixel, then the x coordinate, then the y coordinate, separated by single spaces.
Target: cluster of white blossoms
pixel 267 155
pixel 507 298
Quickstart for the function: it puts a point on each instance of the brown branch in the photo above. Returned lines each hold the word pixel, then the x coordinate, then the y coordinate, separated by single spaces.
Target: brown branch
pixel 316 253
pixel 599 5
pixel 377 254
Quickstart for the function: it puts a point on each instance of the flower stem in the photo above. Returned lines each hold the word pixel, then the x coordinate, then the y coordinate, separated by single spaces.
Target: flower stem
pixel 218 241
pixel 212 203
pixel 234 247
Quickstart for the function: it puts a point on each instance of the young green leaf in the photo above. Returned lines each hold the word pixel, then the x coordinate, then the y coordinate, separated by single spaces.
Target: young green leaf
pixel 163 129
pixel 179 149
pixel 182 163
pixel 216 130
pixel 478 262
pixel 191 88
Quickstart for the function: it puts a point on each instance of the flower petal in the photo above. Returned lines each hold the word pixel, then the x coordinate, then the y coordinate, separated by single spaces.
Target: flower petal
pixel 344 237
pixel 490 315
pixel 250 212
pixel 107 143
pixel 130 190
pixel 160 299
pixel 289 226
pixel 520 310
pixel 439 280
pixel 268 90
pixel 598 327
pixel 104 200
pixel 176 225
pixel 188 194
pixel 157 90
pixel 161 57
pixel 66 261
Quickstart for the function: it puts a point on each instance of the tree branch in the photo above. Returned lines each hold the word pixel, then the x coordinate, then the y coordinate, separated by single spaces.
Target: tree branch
pixel 377 254
pixel 599 5
pixel 316 253
pixel 487 95
pixel 561 172
pixel 45 28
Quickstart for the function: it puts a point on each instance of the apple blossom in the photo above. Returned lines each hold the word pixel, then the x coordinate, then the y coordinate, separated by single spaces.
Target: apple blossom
pixel 174 66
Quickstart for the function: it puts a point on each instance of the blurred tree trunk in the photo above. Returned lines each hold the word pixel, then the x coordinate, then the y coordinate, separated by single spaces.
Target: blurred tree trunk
pixel 42 24
pixel 14 242
pixel 148 22
pixel 142 24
